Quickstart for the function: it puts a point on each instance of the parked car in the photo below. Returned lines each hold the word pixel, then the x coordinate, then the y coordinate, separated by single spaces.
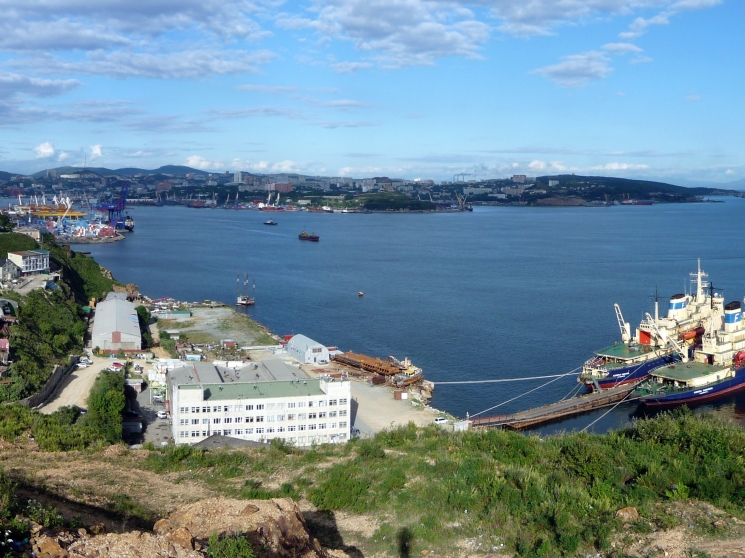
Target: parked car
pixel 441 420
pixel 162 414
pixel 81 365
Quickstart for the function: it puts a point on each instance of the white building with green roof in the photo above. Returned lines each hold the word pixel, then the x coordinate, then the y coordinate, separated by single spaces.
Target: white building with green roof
pixel 259 402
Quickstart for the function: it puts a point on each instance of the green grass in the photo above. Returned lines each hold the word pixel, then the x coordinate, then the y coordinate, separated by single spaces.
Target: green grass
pixel 14 242
pixel 537 497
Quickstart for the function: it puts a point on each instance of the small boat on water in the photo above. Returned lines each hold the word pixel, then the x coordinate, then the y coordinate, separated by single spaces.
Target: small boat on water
pixel 270 222
pixel 313 237
pixel 244 299
pixel 129 223
pixel 360 294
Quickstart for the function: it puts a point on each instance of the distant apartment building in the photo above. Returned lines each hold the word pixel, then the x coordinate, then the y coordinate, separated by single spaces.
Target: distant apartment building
pixel 519 178
pixel 516 191
pixel 278 187
pixel 552 183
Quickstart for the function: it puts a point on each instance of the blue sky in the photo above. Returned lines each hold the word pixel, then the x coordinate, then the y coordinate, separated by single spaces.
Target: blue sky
pixel 404 88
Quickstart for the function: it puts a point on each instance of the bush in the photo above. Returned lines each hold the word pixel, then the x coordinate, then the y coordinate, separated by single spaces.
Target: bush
pixel 232 546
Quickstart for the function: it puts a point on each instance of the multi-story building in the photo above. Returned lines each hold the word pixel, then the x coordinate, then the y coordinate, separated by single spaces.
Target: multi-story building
pixel 31 261
pixel 259 402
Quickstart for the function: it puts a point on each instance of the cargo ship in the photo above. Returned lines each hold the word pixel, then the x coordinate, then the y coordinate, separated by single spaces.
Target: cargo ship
pixel 313 237
pixel 657 341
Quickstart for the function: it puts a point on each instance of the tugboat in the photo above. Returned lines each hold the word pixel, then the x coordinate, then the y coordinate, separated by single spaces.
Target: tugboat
pixel 654 344
pixel 270 222
pixel 129 224
pixel 718 368
pixel 313 237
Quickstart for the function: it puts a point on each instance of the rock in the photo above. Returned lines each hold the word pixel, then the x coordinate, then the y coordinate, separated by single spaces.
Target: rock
pixel 98 529
pixel 131 545
pixel 627 514
pixel 181 537
pixel 277 524
pixel 47 547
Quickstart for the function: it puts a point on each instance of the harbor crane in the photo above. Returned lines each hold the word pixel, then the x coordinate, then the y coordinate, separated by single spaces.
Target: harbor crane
pixel 624 325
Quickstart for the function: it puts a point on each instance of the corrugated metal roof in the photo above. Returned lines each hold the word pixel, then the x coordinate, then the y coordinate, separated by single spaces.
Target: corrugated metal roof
pixel 302 343
pixel 115 315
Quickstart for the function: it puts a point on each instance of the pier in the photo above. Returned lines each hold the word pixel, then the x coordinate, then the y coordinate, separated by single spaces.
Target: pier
pixel 555 411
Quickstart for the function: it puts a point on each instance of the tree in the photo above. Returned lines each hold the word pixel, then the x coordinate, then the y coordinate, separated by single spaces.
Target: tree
pixel 6 225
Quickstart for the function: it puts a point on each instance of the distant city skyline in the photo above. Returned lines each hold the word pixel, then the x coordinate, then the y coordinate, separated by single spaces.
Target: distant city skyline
pixel 647 89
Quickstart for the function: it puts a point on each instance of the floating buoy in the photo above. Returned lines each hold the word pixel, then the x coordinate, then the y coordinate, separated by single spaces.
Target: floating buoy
pixel 360 294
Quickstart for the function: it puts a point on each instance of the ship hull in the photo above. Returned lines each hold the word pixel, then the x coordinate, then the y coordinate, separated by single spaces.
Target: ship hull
pixel 633 373
pixel 698 395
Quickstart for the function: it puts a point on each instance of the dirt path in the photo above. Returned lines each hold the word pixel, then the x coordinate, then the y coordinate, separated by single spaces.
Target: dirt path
pixel 75 388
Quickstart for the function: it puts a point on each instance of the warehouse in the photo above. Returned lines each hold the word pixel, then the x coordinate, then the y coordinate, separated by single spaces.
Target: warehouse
pixel 259 402
pixel 306 351
pixel 116 325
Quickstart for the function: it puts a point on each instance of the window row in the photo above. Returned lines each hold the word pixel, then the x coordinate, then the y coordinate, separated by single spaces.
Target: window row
pixel 261 406
pixel 260 430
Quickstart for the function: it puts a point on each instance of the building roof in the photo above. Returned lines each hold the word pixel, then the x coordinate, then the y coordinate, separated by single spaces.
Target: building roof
pixel 115 315
pixel 262 390
pixel 219 441
pixel 302 343
pixel 30 252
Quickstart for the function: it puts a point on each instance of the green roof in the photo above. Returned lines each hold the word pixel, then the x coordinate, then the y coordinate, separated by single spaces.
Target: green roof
pixel 684 372
pixel 259 390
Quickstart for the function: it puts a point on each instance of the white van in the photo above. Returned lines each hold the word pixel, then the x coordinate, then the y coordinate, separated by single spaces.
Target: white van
pixel 441 420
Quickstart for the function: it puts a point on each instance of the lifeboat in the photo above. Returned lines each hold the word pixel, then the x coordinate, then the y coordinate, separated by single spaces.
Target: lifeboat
pixel 692 333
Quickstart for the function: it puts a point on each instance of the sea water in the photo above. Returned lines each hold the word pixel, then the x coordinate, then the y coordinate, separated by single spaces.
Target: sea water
pixel 502 292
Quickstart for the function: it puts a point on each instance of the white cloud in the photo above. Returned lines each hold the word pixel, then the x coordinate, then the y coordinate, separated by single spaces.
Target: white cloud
pixel 62 155
pixel 44 150
pixel 729 171
pixel 350 67
pixel 96 152
pixel 622 48
pixel 641 59
pixel 199 162
pixel 270 89
pixel 537 166
pixel 185 64
pixel 577 69
pixel 346 104
pixel 619 166
pixel 15 84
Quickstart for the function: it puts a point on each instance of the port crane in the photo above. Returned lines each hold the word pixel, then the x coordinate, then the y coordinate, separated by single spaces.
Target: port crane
pixel 116 207
pixel 623 324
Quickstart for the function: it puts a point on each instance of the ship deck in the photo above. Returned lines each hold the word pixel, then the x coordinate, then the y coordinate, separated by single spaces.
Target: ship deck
pixel 624 351
pixel 684 372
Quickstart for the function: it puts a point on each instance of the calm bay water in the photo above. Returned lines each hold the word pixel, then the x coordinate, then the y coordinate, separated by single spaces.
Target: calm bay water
pixel 497 293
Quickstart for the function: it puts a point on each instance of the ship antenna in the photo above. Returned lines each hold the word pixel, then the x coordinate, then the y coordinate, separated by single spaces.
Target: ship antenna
pixel 656 305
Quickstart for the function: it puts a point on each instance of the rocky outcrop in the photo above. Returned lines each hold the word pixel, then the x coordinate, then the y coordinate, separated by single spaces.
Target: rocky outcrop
pixel 276 525
pixel 275 528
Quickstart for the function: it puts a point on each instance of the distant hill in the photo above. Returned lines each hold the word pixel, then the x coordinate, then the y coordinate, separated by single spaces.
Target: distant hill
pixel 633 187
pixel 5 175
pixel 127 171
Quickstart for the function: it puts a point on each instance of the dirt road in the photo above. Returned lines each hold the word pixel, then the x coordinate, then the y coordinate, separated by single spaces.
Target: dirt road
pixel 75 388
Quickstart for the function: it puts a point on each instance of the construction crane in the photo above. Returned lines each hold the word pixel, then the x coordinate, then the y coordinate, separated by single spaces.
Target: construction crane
pixel 624 325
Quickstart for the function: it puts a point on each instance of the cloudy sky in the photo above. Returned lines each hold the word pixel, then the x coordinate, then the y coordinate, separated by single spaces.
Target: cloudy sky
pixel 404 88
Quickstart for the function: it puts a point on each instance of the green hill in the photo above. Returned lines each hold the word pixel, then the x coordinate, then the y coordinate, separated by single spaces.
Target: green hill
pixel 619 186
pixel 14 242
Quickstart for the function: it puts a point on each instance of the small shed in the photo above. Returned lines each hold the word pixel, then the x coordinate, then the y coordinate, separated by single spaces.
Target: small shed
pixel 306 351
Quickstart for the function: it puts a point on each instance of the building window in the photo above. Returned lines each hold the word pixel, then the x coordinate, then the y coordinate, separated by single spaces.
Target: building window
pixel 228 420
pixel 216 421
pixel 270 430
pixel 205 409
pixel 333 425
pixel 238 432
pixel 317 350
pixel 311 416
pixel 332 402
pixel 195 433
pixel 249 419
pixel 238 419
pixel 301 404
pixel 290 429
pixel 260 407
pixel 342 401
pixel 280 406
pixel 228 408
pixel 195 409
pixel 310 403
pixel 311 427
pixel 205 421
pixel 249 407
pixel 184 409
pixel 280 418
pixel 342 436
pixel 249 430
pixel 290 405
pixel 301 440
pixel 343 413
pixel 259 430
pixel 321 403
pixel 218 432
pixel 280 429
pixel 302 427
pixel 342 425
pixel 270 418
pixel 217 409
pixel 205 433
pixel 302 416
pixel 290 417
pixel 270 406
pixel 227 432
pixel 184 434
pixel 322 415
pixel 259 419
pixel 195 421
pixel 322 426
pixel 183 422
pixel 332 414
